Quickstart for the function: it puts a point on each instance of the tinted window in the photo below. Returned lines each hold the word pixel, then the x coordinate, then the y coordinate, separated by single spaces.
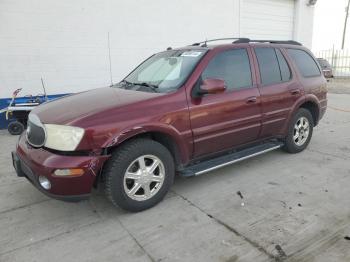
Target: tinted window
pixel 231 66
pixel 268 65
pixel 323 63
pixel 285 70
pixel 305 63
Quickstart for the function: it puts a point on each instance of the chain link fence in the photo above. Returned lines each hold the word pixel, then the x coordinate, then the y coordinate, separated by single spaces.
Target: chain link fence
pixel 338 59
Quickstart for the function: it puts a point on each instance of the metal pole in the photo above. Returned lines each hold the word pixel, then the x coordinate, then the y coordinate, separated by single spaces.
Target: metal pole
pixel 110 60
pixel 346 20
pixel 42 83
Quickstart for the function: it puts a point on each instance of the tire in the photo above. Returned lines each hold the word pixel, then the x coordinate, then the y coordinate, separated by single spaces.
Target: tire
pixel 293 142
pixel 15 128
pixel 121 187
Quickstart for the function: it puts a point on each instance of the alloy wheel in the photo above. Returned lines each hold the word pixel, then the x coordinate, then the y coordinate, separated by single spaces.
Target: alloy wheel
pixel 301 131
pixel 144 177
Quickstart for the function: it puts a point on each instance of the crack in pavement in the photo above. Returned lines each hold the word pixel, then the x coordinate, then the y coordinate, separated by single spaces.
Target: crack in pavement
pixel 136 241
pixel 23 206
pixel 234 231
pixel 49 238
pixel 13 183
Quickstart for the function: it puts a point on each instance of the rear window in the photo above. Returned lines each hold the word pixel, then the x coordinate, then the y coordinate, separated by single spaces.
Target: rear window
pixel 305 63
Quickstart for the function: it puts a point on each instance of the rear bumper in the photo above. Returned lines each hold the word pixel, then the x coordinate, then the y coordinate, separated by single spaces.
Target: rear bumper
pixel 31 163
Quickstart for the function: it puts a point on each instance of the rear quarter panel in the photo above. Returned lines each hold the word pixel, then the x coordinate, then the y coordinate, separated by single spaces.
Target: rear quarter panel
pixel 315 88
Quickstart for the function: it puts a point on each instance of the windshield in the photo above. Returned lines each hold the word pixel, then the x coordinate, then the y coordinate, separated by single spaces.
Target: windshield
pixel 163 72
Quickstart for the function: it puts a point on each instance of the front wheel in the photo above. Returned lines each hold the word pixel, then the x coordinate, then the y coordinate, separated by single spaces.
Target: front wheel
pixel 139 174
pixel 299 132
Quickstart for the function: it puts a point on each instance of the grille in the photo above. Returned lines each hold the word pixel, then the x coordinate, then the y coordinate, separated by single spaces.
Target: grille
pixel 36 134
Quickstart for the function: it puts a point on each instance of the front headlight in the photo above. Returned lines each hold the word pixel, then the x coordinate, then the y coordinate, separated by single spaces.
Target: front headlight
pixel 63 138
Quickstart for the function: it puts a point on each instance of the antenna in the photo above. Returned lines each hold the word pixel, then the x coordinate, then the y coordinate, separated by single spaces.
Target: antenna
pixel 42 83
pixel 110 60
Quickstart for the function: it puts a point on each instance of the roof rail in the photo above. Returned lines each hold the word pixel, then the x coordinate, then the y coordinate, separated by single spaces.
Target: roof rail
pixel 287 42
pixel 247 40
pixel 204 43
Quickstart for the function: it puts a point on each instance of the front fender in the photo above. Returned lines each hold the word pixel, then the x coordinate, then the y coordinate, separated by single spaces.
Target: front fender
pixel 183 148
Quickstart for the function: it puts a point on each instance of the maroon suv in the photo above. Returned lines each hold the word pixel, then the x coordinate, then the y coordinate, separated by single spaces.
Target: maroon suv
pixel 187 111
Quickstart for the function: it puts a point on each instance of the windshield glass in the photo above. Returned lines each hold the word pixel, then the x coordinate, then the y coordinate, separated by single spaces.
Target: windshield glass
pixel 163 72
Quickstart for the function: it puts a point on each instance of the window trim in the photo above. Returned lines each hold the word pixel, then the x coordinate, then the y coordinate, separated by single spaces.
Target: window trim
pixel 296 66
pixel 279 66
pixel 195 89
pixel 289 66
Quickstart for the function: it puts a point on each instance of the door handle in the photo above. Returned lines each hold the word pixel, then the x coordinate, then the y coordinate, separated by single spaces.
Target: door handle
pixel 295 92
pixel 251 100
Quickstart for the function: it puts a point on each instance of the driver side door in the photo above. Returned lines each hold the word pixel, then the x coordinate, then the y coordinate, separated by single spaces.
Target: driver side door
pixel 226 120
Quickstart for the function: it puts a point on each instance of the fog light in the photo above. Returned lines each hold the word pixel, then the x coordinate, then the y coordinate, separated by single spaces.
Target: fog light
pixel 44 182
pixel 69 172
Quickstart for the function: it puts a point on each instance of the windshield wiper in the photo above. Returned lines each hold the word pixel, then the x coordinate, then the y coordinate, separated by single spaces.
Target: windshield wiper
pixel 139 84
pixel 146 84
pixel 123 82
pixel 127 83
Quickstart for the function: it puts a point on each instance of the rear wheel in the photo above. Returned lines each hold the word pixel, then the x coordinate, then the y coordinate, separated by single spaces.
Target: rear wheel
pixel 139 174
pixel 300 131
pixel 15 128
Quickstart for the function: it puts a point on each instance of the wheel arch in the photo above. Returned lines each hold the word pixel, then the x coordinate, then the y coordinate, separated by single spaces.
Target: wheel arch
pixel 313 108
pixel 309 102
pixel 165 135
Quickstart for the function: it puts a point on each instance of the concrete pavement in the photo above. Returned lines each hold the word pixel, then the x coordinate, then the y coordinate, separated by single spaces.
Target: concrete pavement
pixel 296 208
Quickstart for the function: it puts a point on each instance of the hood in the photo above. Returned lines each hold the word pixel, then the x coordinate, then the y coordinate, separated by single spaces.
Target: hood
pixel 70 108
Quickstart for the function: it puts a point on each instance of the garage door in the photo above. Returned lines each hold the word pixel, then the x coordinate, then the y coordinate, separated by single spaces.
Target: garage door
pixel 267 19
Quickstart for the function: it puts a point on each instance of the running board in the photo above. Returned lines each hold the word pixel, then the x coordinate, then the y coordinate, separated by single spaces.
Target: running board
pixel 228 159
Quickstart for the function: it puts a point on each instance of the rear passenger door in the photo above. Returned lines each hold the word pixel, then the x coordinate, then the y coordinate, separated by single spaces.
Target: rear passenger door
pixel 279 89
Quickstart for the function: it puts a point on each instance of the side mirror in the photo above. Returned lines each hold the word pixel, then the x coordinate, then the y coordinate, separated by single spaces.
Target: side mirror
pixel 212 86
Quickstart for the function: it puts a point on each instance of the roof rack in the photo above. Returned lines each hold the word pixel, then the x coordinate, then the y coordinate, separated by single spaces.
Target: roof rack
pixel 246 40
pixel 286 42
pixel 204 43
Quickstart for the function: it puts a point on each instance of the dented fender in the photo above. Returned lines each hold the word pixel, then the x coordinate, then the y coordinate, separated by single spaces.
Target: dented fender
pixel 183 148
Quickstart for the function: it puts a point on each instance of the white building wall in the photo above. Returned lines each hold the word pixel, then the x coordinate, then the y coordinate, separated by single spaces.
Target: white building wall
pixel 66 42
pixel 303 22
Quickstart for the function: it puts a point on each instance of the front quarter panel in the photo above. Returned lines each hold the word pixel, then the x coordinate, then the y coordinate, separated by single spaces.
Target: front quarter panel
pixel 167 114
pixel 182 140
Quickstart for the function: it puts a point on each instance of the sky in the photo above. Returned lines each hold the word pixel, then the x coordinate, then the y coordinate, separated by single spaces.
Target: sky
pixel 329 24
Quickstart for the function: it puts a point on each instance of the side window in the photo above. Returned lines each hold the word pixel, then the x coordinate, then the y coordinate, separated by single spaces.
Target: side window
pixel 268 65
pixel 305 63
pixel 272 65
pixel 232 66
pixel 284 67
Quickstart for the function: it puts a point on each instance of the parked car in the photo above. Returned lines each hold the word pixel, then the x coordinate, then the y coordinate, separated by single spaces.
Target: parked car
pixel 326 68
pixel 188 111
